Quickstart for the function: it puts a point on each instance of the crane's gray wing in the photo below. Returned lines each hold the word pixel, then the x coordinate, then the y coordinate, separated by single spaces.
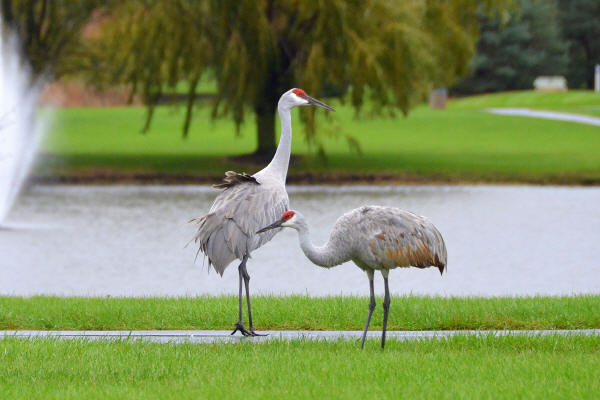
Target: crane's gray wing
pixel 228 231
pixel 401 238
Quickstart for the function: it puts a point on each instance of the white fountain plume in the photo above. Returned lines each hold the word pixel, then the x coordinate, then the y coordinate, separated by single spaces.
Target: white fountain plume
pixel 21 126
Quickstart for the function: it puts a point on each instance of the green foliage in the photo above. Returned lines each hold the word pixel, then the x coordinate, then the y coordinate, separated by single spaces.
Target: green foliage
pixel 584 102
pixel 391 52
pixel 581 28
pixel 511 55
pixel 49 31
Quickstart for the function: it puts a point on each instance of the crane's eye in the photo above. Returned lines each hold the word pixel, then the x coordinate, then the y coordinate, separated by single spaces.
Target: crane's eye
pixel 287 215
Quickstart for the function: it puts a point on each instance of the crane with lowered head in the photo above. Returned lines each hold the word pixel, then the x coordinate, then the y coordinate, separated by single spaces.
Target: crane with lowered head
pixel 376 239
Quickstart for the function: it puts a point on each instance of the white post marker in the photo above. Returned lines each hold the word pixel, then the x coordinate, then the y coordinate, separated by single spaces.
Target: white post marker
pixel 597 78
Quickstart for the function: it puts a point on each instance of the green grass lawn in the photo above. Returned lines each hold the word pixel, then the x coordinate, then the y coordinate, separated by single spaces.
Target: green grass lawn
pixel 461 143
pixel 298 312
pixel 460 367
pixel 574 101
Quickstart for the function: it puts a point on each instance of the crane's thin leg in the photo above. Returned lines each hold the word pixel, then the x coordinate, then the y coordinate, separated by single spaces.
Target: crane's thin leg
pixel 386 306
pixel 371 307
pixel 246 277
pixel 239 326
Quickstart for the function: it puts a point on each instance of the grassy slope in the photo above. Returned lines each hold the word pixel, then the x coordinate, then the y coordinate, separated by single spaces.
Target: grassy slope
pixel 459 144
pixel 462 367
pixel 575 101
pixel 298 312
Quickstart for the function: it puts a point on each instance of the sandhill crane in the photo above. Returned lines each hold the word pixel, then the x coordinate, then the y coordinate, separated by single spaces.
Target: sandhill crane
pixel 247 203
pixel 374 238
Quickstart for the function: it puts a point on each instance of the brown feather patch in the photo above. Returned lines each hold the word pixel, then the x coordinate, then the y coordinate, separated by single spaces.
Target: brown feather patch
pixel 233 178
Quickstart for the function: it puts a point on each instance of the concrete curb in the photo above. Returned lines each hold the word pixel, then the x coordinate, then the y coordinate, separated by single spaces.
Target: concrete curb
pixel 210 336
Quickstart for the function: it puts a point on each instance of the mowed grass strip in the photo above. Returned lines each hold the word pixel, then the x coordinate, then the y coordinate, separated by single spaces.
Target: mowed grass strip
pixel 584 102
pixel 298 312
pixel 459 367
pixel 462 143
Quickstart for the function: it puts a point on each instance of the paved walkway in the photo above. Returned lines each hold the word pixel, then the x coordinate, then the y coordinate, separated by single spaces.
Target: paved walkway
pixel 224 336
pixel 525 112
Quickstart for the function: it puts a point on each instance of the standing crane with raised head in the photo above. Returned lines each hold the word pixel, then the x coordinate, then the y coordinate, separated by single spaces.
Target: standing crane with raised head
pixel 374 238
pixel 247 203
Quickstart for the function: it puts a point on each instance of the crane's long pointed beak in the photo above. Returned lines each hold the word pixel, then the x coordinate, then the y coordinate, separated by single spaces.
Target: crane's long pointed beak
pixel 318 103
pixel 276 224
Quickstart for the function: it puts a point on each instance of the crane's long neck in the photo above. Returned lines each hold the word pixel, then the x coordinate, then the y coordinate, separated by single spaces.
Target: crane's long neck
pixel 278 166
pixel 326 256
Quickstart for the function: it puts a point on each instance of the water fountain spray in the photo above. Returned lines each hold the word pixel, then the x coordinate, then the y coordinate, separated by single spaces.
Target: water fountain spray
pixel 21 126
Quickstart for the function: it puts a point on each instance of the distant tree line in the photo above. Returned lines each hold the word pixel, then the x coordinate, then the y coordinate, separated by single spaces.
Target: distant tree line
pixel 580 24
pixel 541 37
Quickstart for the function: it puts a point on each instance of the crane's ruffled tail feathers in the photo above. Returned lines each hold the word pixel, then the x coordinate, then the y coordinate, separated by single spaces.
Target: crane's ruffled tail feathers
pixel 197 237
pixel 218 253
pixel 236 239
pixel 436 248
pixel 441 256
pixel 441 266
pixel 210 238
pixel 194 239
pixel 233 178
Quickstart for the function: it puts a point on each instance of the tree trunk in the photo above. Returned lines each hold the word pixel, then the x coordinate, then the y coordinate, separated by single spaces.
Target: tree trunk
pixel 265 129
pixel 265 106
pixel 190 105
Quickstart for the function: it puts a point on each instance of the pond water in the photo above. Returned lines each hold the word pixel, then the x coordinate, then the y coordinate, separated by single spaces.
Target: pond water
pixel 130 241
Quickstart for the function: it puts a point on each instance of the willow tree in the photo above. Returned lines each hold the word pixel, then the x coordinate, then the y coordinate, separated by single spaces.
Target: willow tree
pixel 392 52
pixel 49 31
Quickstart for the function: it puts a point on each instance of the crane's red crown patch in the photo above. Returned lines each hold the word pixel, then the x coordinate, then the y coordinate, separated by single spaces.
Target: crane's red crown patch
pixel 299 92
pixel 287 215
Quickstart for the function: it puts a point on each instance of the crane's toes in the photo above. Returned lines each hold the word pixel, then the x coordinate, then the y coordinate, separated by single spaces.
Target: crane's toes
pixel 257 334
pixel 240 327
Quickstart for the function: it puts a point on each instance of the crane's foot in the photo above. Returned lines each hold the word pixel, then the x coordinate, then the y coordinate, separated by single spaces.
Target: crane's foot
pixel 257 334
pixel 239 326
